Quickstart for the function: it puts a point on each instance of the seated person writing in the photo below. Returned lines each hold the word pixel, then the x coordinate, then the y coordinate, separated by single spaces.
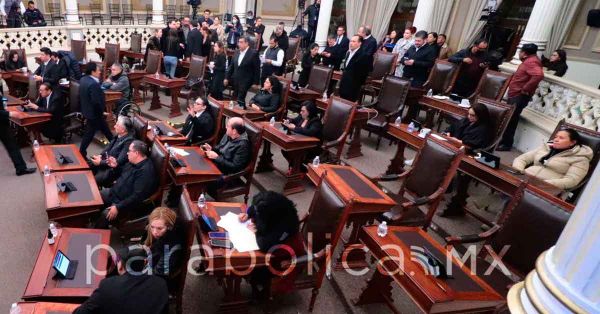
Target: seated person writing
pixel 274 220
pixel 562 163
pixel 13 62
pixel 232 154
pixel 118 82
pixel 51 102
pixel 199 124
pixel 474 130
pixel 136 181
pixel 133 291
pixel 164 241
pixel 114 154
pixel 268 98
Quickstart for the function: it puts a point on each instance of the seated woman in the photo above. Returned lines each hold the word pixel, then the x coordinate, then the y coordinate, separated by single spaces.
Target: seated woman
pixel 274 220
pixel 307 122
pixel 390 41
pixel 268 98
pixel 199 124
pixel 164 242
pixel 118 82
pixel 557 62
pixel 310 58
pixel 474 130
pixel 13 62
pixel 563 162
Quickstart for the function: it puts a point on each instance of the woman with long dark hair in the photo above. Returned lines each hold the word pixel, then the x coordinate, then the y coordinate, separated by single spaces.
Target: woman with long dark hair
pixel 557 62
pixel 390 41
pixel 268 98
pixel 218 70
pixel 233 30
pixel 206 42
pixel 13 62
pixel 310 58
pixel 473 131
pixel 307 122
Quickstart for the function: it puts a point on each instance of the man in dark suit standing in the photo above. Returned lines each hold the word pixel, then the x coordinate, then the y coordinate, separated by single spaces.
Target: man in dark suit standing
pixel 418 60
pixel 369 43
pixel 194 41
pixel 93 106
pixel 357 65
pixel 313 18
pixel 53 103
pixel 342 42
pixel 10 144
pixel 132 292
pixel 244 70
pixel 48 71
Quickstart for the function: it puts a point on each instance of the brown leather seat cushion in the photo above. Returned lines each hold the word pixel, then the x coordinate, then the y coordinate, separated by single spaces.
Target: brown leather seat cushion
pixel 379 122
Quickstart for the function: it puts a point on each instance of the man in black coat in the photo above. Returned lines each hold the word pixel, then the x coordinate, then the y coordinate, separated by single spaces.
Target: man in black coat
pixel 118 147
pixel 332 56
pixel 93 106
pixel 53 103
pixel 233 152
pixel 369 44
pixel 48 71
pixel 132 292
pixel 342 43
pixel 10 144
pixel 357 65
pixel 418 60
pixel 244 70
pixel 136 181
pixel 313 18
pixel 194 41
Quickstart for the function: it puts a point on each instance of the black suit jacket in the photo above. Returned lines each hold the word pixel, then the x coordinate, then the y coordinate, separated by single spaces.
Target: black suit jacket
pixel 50 73
pixel 91 98
pixel 128 294
pixel 55 106
pixel 343 46
pixel 134 184
pixel 198 128
pixel 419 71
pixel 370 45
pixel 355 74
pixel 194 43
pixel 118 148
pixel 248 72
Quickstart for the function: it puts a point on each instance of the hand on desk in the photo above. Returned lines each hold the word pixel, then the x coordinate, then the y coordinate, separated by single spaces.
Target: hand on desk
pixel 288 125
pixel 255 107
pixel 211 155
pixel 32 106
pixel 206 147
pixel 252 227
pixel 112 213
pixel 243 217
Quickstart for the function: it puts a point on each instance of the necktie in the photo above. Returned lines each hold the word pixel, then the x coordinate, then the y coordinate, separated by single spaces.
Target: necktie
pixel 338 41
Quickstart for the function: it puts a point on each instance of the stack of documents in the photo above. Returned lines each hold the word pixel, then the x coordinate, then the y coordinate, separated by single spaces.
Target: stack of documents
pixel 243 239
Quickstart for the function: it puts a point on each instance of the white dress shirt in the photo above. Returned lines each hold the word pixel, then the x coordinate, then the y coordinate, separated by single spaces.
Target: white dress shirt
pixel 241 56
pixel 280 55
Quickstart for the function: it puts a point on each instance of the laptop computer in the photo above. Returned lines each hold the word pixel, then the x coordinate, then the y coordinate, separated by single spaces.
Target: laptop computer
pixel 65 268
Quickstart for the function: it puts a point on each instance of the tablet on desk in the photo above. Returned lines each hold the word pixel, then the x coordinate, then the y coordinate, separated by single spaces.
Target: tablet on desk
pixel 65 268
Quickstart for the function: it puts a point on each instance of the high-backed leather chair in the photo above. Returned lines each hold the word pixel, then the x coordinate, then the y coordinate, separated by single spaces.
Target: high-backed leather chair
pixel 73 121
pixel 432 171
pixel 111 55
pixel 20 52
pixel 153 63
pixel 239 183
pixel 492 85
pixel 32 89
pixel 217 111
pixel 500 114
pixel 530 225
pixel 442 77
pixel 321 228
pixel 140 126
pixel 195 79
pixel 78 47
pixel 136 42
pixel 389 105
pixel 291 56
pixel 336 126
pixel 187 221
pixel 318 81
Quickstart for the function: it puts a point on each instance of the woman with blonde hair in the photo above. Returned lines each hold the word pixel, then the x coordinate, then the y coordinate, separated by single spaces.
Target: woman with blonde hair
pixel 164 241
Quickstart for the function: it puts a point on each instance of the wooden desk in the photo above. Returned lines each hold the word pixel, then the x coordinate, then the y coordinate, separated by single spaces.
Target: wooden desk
pixel 165 128
pixel 295 144
pixel 47 154
pixel 111 98
pixel 229 266
pixel 14 101
pixel 360 120
pixel 303 94
pixel 443 105
pixel 32 121
pixel 47 308
pixel 72 209
pixel 122 53
pixel 238 111
pixel 463 293
pixel 198 171
pixel 135 79
pixel 72 242
pixel 174 85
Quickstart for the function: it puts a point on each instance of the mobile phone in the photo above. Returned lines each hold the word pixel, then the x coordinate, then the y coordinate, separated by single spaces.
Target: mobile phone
pixel 218 235
pixel 224 243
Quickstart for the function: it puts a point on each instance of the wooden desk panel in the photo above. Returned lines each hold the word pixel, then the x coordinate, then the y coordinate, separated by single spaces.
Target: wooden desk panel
pixel 174 85
pixel 287 142
pixel 176 139
pixel 14 101
pixel 303 94
pixel 30 118
pixel 238 111
pixel 47 308
pixel 41 285
pixel 46 155
pixel 198 169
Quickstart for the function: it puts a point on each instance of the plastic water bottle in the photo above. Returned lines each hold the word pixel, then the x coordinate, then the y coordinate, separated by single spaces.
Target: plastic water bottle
pixel 411 127
pixel 398 121
pixel 46 171
pixel 316 161
pixel 325 95
pixel 382 229
pixel 272 121
pixel 53 229
pixel 36 145
pixel 50 237
pixel 157 75
pixel 15 309
pixel 231 104
pixel 430 92
pixel 201 201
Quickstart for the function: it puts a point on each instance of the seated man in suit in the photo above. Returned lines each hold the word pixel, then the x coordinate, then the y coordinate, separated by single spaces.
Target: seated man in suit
pixel 133 291
pixel 200 123
pixel 232 154
pixel 244 70
pixel 115 151
pixel 418 60
pixel 357 66
pixel 48 71
pixel 136 181
pixel 50 102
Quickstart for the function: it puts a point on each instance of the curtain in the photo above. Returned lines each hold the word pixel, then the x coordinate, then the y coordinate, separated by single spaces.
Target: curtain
pixel 383 11
pixel 561 28
pixel 440 15
pixel 473 26
pixel 354 9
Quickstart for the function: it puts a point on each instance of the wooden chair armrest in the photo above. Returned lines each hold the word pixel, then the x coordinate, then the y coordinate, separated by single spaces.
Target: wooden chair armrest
pixel 305 259
pixel 233 176
pixel 392 176
pixel 472 238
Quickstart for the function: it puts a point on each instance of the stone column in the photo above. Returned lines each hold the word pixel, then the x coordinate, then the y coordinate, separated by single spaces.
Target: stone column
pixel 158 17
pixel 239 9
pixel 539 26
pixel 72 14
pixel 566 278
pixel 423 14
pixel 323 23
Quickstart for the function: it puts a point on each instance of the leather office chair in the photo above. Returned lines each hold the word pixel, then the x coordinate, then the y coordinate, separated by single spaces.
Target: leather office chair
pixel 492 85
pixel 336 126
pixel 73 121
pixel 442 77
pixel 20 52
pixel 321 227
pixel 136 42
pixel 140 127
pixel 78 47
pixel 239 183
pixel 32 89
pixel 389 105
pixel 153 63
pixel 291 56
pixel 111 56
pixel 194 80
pixel 500 114
pixel 318 81
pixel 432 171
pixel 384 63
pixel 531 225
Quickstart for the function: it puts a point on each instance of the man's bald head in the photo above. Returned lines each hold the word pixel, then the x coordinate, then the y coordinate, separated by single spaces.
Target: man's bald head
pixel 235 127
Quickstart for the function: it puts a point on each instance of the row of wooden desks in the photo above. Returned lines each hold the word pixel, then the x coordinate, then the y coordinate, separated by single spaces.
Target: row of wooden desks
pixel 174 85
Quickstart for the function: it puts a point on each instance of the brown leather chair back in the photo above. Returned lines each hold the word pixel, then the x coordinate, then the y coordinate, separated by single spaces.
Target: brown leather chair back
pixel 441 78
pixel 292 51
pixel 136 42
pixel 257 38
pixel 74 104
pixel 384 63
pixel 187 221
pixel 78 47
pixel 319 78
pixel 32 89
pixel 531 224
pixel 255 137
pixel 393 94
pixel 283 97
pixel 111 55
pixel 500 114
pixel 159 158
pixel 140 126
pixel 20 52
pixel 337 120
pixel 432 167
pixel 217 111
pixel 492 85
pixel 153 62
pixel 197 67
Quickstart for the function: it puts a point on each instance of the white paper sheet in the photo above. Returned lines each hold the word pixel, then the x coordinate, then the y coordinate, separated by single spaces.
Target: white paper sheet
pixel 179 151
pixel 242 238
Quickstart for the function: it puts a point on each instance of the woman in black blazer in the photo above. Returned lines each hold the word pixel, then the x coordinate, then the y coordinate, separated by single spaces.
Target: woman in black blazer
pixel 268 98
pixel 474 130
pixel 13 62
pixel 200 123
pixel 307 122
pixel 218 71
pixel 206 42
pixel 310 58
